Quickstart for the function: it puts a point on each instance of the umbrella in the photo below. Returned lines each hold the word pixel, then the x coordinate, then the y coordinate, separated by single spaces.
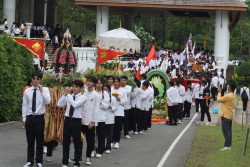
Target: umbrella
pixel 193 80
pixel 182 82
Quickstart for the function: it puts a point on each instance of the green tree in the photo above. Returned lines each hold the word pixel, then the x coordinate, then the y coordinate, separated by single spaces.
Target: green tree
pixel 243 69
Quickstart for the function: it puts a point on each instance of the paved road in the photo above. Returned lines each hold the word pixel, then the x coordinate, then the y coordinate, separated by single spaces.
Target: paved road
pixel 144 150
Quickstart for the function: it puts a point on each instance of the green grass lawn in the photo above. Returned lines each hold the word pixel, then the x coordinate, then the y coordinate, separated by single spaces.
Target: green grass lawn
pixel 207 144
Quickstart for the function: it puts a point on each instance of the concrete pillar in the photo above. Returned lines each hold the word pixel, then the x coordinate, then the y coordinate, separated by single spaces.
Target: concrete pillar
pixel 45 13
pixel 222 39
pixel 24 11
pixel 39 11
pixel 128 22
pixel 28 26
pixel 51 12
pixel 102 20
pixel 9 11
pixel 32 11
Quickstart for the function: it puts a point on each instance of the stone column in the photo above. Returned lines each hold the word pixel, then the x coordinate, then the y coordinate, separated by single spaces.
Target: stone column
pixel 102 20
pixel 128 22
pixel 28 26
pixel 24 11
pixel 51 12
pixel 39 11
pixel 9 11
pixel 222 39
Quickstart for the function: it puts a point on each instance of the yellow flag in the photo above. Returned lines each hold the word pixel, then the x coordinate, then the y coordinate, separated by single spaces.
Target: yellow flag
pixel 204 43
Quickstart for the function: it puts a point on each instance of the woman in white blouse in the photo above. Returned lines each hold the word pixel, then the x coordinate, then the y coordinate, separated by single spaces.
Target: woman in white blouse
pixel 104 105
pixel 110 118
pixel 144 106
pixel 151 105
pixel 187 101
pixel 119 114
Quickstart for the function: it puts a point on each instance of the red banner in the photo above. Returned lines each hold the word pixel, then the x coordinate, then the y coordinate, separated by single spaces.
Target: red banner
pixel 36 47
pixel 105 55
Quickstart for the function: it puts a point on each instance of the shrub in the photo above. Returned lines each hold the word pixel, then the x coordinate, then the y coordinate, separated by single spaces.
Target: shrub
pixel 16 66
pixel 243 70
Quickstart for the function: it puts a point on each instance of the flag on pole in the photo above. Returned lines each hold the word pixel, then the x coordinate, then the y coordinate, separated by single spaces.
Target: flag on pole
pixel 190 41
pixel 151 55
pixel 193 48
pixel 204 43
pixel 138 75
pixel 107 54
pixel 185 53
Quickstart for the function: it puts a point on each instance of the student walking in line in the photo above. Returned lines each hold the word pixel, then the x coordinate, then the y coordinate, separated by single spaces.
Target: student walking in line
pixel 244 94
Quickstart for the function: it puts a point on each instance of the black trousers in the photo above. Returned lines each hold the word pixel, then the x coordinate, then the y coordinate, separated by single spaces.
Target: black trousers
pixel 125 121
pixel 132 124
pixel 144 115
pixel 46 62
pixel 197 104
pixel 36 67
pixel 149 118
pixel 117 129
pixel 41 63
pixel 172 114
pixel 227 131
pixel 90 139
pixel 245 104
pixel 109 128
pixel 180 107
pixel 138 119
pixel 205 109
pixel 101 137
pixel 72 127
pixel 50 146
pixel 187 107
pixel 35 132
pixel 222 92
pixel 213 91
pixel 55 47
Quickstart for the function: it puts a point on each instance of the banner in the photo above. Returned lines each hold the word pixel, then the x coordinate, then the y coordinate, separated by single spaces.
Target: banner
pixel 107 54
pixel 197 67
pixel 36 47
pixel 191 60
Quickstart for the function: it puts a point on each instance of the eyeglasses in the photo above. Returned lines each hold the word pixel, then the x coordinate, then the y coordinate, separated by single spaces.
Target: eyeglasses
pixel 36 78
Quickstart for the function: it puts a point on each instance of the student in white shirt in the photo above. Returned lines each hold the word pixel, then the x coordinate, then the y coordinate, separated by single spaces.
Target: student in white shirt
pixel 46 57
pixel 104 105
pixel 187 101
pixel 127 107
pixel 243 97
pixel 16 31
pixel 222 82
pixel 197 97
pixel 110 119
pixel 55 42
pixel 6 31
pixel 36 62
pixel 214 85
pixel 151 105
pixel 33 109
pixel 181 91
pixel 72 122
pixel 119 114
pixel 173 95
pixel 144 106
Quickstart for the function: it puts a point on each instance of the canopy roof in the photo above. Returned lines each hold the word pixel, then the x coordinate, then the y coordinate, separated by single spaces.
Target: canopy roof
pixel 169 8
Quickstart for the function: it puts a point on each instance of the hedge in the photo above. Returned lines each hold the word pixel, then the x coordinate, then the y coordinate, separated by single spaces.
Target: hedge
pixel 16 67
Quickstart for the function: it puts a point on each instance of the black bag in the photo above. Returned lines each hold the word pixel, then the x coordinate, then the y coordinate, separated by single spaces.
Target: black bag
pixel 244 95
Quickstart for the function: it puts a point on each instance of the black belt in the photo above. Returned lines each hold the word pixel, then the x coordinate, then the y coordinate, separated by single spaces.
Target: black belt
pixel 71 118
pixel 35 116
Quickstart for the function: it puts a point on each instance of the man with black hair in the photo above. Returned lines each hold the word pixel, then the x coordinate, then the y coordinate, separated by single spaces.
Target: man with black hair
pixel 173 95
pixel 143 78
pixel 33 109
pixel 226 113
pixel 72 123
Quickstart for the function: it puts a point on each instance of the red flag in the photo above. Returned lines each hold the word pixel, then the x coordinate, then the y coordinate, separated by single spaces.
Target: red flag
pixel 36 47
pixel 151 55
pixel 105 55
pixel 138 75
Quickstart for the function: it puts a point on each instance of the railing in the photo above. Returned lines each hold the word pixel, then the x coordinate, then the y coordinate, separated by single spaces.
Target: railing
pixel 85 53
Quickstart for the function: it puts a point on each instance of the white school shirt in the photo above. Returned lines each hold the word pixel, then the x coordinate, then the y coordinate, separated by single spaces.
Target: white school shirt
pixel 77 104
pixel 196 91
pixel 145 100
pixel 151 98
pixel 36 60
pixel 214 81
pixel 7 31
pixel 104 106
pixel 5 23
pixel 46 57
pixel 173 95
pixel 42 98
pixel 221 81
pixel 22 26
pixel 181 92
pixel 247 91
pixel 110 113
pixel 2 27
pixel 91 109
pixel 188 96
pixel 133 100
pixel 120 104
pixel 16 31
pixel 128 90
pixel 56 39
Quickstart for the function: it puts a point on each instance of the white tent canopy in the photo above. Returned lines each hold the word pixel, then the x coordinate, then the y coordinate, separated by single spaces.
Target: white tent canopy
pixel 121 39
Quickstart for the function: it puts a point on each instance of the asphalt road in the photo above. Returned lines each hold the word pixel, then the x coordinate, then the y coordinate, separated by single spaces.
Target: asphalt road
pixel 144 150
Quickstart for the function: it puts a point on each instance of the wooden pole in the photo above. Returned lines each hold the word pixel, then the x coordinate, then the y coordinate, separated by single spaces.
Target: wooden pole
pixel 246 136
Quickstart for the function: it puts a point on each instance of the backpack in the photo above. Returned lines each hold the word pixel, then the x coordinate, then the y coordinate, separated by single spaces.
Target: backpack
pixel 244 95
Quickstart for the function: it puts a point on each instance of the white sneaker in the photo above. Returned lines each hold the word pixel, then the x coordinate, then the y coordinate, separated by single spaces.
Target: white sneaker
pixel 225 148
pixel 45 150
pixel 136 133
pixel 130 132
pixel 149 128
pixel 39 165
pixel 108 151
pixel 65 166
pixel 93 154
pixel 112 145
pixel 140 132
pixel 28 165
pixel 208 123
pixel 88 161
pixel 48 159
pixel 116 146
pixel 179 122
pixel 98 155
pixel 127 137
pixel 199 123
pixel 72 160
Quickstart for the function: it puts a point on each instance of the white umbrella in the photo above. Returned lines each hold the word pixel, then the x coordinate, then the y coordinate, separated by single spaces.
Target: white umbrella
pixel 121 39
